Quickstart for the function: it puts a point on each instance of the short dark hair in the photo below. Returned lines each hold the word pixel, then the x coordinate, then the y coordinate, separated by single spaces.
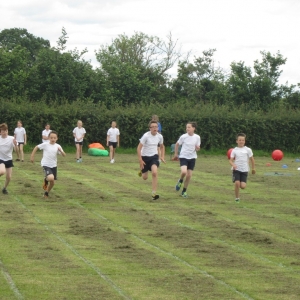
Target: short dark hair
pixel 3 126
pixel 53 131
pixel 152 122
pixel 240 134
pixel 193 124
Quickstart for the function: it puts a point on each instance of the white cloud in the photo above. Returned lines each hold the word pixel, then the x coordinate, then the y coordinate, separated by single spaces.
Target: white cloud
pixel 238 29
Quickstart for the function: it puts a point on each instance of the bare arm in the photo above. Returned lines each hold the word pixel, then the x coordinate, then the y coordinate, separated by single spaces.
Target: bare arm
pixel 231 161
pixel 253 164
pixel 61 151
pixel 139 153
pixel 162 152
pixel 176 150
pixel 33 153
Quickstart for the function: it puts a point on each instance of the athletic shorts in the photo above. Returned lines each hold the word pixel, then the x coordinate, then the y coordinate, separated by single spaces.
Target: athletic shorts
pixel 149 162
pixel 49 171
pixel 79 143
pixel 20 143
pixel 114 144
pixel 239 176
pixel 190 163
pixel 8 163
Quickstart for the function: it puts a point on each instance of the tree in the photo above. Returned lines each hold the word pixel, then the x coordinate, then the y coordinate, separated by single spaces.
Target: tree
pixel 200 80
pixel 11 38
pixel 136 67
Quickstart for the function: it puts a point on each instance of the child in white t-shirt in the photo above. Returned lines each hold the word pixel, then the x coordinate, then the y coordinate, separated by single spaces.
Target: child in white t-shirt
pixel 113 140
pixel 21 138
pixel 190 144
pixel 49 161
pixel 7 144
pixel 149 156
pixel 239 160
pixel 45 133
pixel 79 133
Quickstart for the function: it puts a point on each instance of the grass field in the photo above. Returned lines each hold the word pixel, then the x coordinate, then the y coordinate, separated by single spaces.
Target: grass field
pixel 100 236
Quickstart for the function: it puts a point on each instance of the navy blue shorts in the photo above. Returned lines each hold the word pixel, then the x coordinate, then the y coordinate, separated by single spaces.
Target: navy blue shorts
pixel 8 163
pixel 190 163
pixel 49 171
pixel 114 144
pixel 149 162
pixel 239 176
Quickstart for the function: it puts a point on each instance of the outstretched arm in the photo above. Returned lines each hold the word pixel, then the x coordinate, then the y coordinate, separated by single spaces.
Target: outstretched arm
pixel 33 153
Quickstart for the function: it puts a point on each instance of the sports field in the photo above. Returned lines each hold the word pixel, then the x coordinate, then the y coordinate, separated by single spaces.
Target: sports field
pixel 100 236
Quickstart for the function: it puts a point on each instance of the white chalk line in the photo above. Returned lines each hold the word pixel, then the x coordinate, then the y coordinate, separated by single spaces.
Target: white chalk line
pixel 203 272
pixel 10 282
pixel 86 261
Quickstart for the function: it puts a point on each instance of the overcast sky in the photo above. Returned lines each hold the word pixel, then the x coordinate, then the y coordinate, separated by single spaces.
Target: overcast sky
pixel 237 29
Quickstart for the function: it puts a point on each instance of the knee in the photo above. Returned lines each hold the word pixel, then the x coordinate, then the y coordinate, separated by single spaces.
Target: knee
pixel 243 185
pixel 183 173
pixel 50 178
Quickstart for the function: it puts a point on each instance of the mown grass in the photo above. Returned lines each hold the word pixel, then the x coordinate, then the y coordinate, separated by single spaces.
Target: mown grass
pixel 100 236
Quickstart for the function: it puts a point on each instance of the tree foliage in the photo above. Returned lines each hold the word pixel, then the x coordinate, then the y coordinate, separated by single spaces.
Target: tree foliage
pixel 136 70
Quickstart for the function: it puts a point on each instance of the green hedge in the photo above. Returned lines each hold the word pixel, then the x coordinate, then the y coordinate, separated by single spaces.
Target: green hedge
pixel 217 126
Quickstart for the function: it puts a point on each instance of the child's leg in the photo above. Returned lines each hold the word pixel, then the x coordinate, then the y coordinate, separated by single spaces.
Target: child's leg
pixel 21 151
pixel 154 177
pixel 183 172
pixel 145 175
pixel 187 178
pixel 18 151
pixel 80 151
pixel 237 185
pixel 2 169
pixel 77 151
pixel 114 151
pixel 8 177
pixel 50 179
pixel 111 150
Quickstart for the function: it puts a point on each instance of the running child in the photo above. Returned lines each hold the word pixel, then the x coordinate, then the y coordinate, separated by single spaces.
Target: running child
pixel 113 140
pixel 239 161
pixel 79 133
pixel 49 161
pixel 147 152
pixel 7 144
pixel 21 138
pixel 190 143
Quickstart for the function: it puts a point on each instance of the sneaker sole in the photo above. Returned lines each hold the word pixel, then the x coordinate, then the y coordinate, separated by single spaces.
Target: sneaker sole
pixel 155 197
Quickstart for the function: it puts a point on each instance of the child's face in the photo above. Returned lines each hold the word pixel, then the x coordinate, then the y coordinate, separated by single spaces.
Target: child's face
pixel 79 124
pixel 153 128
pixel 19 124
pixel 241 141
pixel 4 133
pixel 113 124
pixel 190 129
pixel 47 127
pixel 53 138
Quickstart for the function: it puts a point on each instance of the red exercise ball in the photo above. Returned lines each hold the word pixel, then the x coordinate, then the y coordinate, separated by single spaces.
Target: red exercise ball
pixel 229 152
pixel 277 155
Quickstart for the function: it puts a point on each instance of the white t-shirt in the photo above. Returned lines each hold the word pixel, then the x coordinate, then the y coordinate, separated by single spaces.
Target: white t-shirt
pixel 241 156
pixel 45 133
pixel 50 152
pixel 189 144
pixel 20 132
pixel 113 133
pixel 79 132
pixel 150 143
pixel 6 147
